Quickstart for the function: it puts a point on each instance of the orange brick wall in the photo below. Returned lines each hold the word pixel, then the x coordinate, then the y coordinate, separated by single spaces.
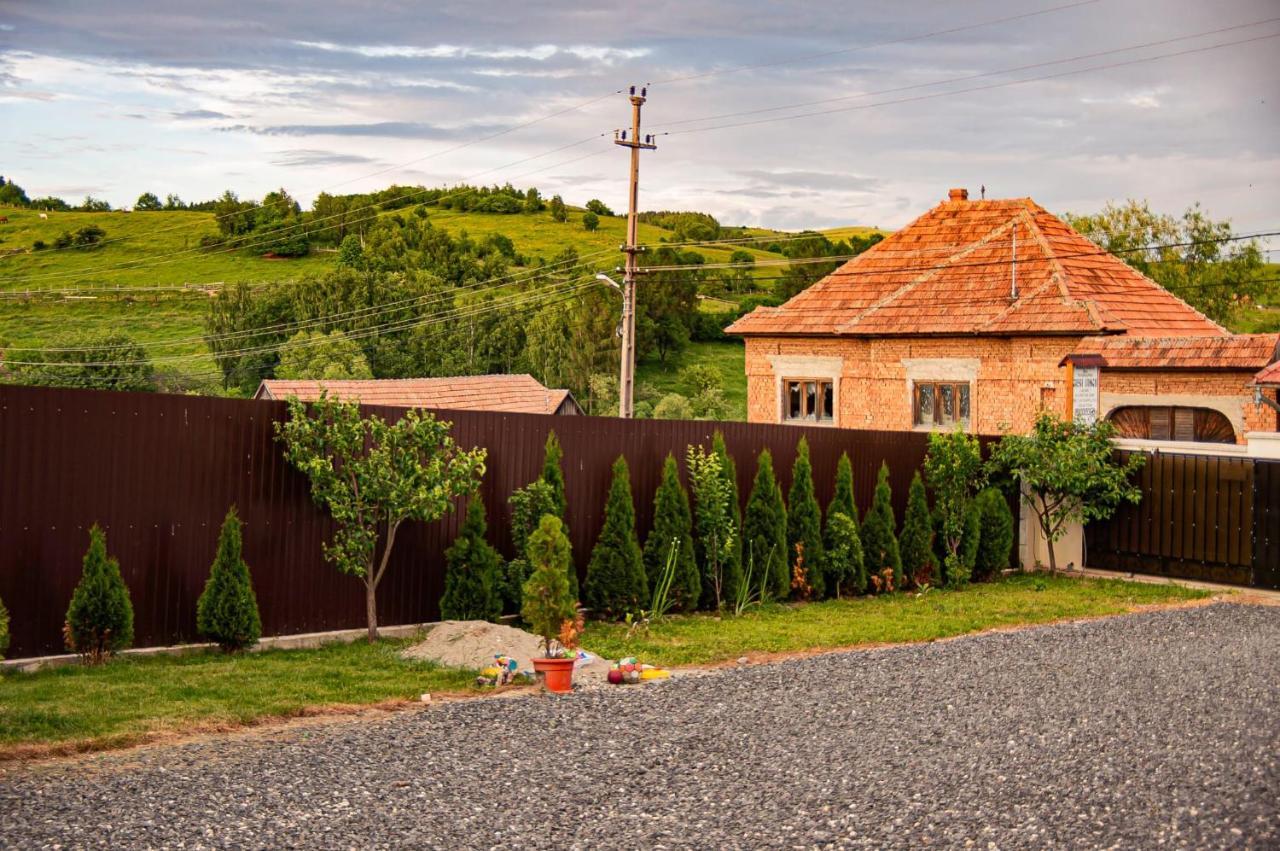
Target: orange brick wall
pixel 1016 378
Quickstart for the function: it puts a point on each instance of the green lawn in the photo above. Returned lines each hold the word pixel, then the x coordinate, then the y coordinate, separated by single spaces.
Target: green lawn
pixel 729 359
pixel 124 701
pixel 701 639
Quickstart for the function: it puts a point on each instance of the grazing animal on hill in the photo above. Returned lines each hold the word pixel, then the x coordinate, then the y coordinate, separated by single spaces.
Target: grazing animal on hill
pixel 4 220
pixel 44 215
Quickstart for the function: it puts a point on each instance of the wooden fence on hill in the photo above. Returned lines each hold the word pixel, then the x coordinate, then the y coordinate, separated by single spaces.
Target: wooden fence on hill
pixel 158 472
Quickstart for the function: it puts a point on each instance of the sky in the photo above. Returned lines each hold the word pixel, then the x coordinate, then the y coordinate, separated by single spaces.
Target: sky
pixel 913 96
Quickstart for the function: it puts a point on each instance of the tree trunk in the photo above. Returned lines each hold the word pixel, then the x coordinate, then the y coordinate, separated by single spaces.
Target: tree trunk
pixel 371 609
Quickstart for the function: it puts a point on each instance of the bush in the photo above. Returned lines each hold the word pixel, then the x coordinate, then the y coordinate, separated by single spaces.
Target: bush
pixel 729 473
pixel 879 545
pixel 4 629
pixel 764 530
pixel 995 537
pixel 227 611
pixel 916 541
pixel 673 406
pixel 471 579
pixel 598 207
pixel 616 582
pixel 547 603
pixel 842 500
pixel 529 505
pixel 804 527
pixel 844 567
pixel 590 221
pixel 673 528
pixel 553 475
pixel 100 617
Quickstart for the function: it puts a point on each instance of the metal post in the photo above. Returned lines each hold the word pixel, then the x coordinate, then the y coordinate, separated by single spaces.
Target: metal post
pixel 626 383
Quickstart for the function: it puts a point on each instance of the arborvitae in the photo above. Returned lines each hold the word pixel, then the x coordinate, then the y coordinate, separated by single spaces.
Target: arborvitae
pixel 764 531
pixel 616 582
pixel 842 498
pixel 804 520
pixel 916 540
pixel 732 568
pixel 673 525
pixel 844 567
pixel 553 475
pixel 472 571
pixel 995 538
pixel 529 505
pixel 100 617
pixel 879 545
pixel 4 629
pixel 227 611
pixel 969 545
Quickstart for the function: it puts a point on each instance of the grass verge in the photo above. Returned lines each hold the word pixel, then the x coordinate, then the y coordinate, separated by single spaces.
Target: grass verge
pixel 133 699
pixel 703 639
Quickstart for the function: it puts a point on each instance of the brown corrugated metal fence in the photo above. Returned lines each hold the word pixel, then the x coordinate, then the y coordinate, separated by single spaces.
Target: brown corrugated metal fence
pixel 159 471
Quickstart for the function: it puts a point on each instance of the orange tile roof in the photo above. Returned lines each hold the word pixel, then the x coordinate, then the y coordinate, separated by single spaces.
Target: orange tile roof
pixel 514 393
pixel 1238 351
pixel 1269 377
pixel 951 271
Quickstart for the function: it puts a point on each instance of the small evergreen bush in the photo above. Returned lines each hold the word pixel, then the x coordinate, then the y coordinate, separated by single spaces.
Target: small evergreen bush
pixel 842 498
pixel 472 570
pixel 844 567
pixel 916 541
pixel 553 475
pixel 546 601
pixel 764 531
pixel 879 544
pixel 995 538
pixel 227 611
pixel 616 582
pixel 100 617
pixel 673 527
pixel 528 506
pixel 4 629
pixel 804 525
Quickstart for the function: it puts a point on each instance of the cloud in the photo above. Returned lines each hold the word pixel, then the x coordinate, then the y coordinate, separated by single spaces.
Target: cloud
pixel 306 157
pixel 820 180
pixel 378 129
pixel 197 114
pixel 537 53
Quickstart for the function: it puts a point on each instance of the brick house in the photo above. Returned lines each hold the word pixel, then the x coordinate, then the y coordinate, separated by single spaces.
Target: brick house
pixel 522 394
pixel 984 313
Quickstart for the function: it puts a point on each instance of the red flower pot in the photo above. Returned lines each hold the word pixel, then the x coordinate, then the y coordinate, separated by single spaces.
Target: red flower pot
pixel 557 674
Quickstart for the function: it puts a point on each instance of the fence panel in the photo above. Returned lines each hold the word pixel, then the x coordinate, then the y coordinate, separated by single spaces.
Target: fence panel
pixel 158 472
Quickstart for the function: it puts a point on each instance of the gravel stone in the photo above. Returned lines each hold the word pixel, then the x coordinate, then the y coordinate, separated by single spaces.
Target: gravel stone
pixel 1158 729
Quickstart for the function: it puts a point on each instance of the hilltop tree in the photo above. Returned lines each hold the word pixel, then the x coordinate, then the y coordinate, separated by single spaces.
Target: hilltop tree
pixel 673 529
pixel 804 522
pixel 764 531
pixel 916 541
pixel 558 210
pixel 227 611
pixel 471 572
pixel 147 202
pixel 879 544
pixel 100 617
pixel 373 476
pixel 598 207
pixel 590 221
pixel 616 582
pixel 12 195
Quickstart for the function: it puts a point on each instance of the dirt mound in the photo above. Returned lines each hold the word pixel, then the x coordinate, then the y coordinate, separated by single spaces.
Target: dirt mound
pixel 473 644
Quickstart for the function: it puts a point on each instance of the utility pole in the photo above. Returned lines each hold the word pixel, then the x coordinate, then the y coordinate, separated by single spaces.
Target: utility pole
pixel 626 384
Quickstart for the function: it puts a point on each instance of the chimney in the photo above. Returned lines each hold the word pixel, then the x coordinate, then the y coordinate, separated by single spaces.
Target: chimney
pixel 958 195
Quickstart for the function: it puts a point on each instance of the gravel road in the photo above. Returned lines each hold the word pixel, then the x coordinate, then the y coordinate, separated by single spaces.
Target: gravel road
pixel 1159 729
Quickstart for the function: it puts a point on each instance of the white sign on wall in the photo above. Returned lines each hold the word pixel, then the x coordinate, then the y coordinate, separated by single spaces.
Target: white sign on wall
pixel 1084 395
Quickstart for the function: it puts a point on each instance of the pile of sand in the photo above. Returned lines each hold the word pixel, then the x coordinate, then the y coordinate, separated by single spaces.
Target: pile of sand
pixel 473 644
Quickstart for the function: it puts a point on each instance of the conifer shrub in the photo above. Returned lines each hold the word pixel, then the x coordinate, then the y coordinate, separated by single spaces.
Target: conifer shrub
pixel 553 475
pixel 4 629
pixel 616 583
pixel 995 537
pixel 844 568
pixel 879 544
pixel 227 611
pixel 546 603
pixel 842 499
pixel 764 530
pixel 472 570
pixel 673 530
pixel 528 506
pixel 804 524
pixel 919 565
pixel 100 617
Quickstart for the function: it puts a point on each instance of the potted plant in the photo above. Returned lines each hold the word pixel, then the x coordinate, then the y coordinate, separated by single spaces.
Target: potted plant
pixel 549 607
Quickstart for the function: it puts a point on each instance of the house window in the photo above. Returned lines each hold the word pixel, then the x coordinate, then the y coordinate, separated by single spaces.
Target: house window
pixel 809 400
pixel 940 404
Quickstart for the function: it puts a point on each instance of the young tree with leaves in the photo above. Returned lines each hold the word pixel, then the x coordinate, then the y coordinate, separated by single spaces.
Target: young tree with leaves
pixel 804 525
pixel 472 569
pixel 1068 473
pixel 673 529
pixel 100 617
pixel 916 541
pixel 844 567
pixel 715 523
pixel 954 470
pixel 764 531
pixel 373 476
pixel 227 611
pixel 879 543
pixel 616 582
pixel 733 561
pixel 995 537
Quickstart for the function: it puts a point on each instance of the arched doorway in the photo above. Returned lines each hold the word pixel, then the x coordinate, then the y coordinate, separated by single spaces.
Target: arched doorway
pixel 1163 422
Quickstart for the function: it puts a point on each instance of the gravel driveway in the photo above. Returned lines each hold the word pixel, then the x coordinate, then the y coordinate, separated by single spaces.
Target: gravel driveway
pixel 1157 729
